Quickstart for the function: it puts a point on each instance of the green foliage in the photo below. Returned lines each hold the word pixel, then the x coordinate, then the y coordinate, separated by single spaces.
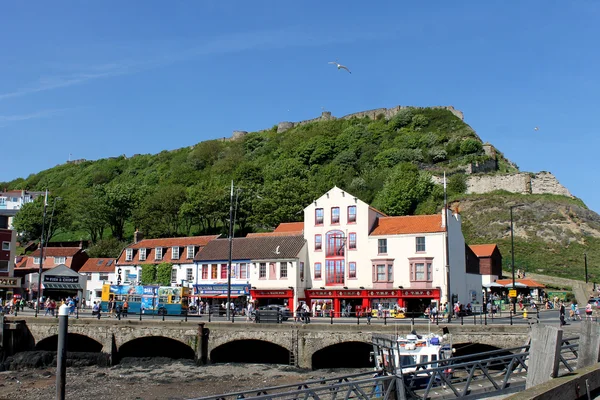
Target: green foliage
pixel 403 190
pixel 470 146
pixel 29 221
pixel 106 248
pixel 149 272
pixel 163 273
pixel 457 184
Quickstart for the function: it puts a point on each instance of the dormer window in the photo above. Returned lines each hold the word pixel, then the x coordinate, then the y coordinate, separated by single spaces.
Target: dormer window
pixel 175 253
pixel 60 260
pixel 158 253
pixel 190 252
pixel 142 254
pixel 128 254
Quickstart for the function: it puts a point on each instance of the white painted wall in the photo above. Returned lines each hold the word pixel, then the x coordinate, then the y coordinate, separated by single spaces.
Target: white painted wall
pixel 94 286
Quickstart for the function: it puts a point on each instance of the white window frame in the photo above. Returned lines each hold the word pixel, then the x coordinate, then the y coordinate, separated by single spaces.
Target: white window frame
pixel 190 252
pixel 175 252
pixel 5 246
pixel 128 254
pixel 417 244
pixel 173 275
pixel 189 274
pixel 60 260
pixel 103 276
pixel 36 260
pixel 142 254
pixel 158 253
pixel 283 270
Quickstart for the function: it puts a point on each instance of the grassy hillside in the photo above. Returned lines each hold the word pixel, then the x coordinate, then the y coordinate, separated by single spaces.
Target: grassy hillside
pixel 387 163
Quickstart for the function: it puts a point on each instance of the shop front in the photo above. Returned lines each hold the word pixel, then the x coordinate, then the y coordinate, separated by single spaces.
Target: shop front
pixel 61 282
pixel 264 297
pixel 10 287
pixel 350 302
pixel 216 294
pixel 417 300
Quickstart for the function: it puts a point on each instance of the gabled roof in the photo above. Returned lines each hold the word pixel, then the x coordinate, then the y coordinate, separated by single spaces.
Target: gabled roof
pixel 57 252
pixel 253 248
pixel 167 245
pixel 408 225
pixel 172 242
pixel 290 227
pixel 99 265
pixel 265 234
pixel 483 250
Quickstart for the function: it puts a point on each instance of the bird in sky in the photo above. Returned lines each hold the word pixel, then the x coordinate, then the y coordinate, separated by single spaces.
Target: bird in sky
pixel 340 66
pixel 536 129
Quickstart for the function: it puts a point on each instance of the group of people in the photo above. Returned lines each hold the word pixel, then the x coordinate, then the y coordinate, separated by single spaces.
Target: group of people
pixel 12 305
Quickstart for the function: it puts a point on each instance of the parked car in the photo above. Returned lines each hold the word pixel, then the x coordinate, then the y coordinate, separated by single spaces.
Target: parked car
pixel 285 311
pixel 594 300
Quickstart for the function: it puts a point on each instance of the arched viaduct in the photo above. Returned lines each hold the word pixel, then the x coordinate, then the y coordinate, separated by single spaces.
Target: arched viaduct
pixel 303 341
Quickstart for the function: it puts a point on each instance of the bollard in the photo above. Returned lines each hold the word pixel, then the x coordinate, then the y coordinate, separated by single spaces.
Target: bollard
pixel 384 318
pixel 474 319
pixel 461 320
pixel 357 319
pixel 209 313
pixel 510 317
pixel 232 316
pixel 331 316
pixel 61 353
pixel 163 314
pixel 141 314
pixel 186 315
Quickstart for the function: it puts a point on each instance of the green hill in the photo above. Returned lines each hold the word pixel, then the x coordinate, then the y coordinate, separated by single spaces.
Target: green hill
pixel 388 163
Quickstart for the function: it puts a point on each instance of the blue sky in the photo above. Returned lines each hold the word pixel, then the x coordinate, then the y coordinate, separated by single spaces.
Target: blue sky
pixel 100 79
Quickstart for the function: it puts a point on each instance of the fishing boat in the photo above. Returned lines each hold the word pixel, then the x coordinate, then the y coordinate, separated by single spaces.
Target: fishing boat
pixel 405 354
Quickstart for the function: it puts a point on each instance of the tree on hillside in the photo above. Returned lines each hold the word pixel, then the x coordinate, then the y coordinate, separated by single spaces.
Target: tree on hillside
pixel 158 214
pixel 403 190
pixel 29 219
pixel 122 199
pixel 90 212
pixel 106 248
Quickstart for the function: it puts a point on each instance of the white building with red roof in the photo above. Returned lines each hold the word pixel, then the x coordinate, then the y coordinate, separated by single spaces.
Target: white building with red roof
pixel 359 256
pixel 178 251
pixel 97 271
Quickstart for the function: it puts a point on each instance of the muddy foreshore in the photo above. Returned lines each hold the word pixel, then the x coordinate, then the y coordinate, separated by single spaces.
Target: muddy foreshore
pixel 31 375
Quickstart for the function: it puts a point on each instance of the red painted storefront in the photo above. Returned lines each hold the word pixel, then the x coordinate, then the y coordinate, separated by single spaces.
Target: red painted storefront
pixel 274 296
pixel 365 297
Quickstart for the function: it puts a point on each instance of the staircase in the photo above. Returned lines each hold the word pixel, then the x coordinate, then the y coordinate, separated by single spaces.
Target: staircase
pixel 294 347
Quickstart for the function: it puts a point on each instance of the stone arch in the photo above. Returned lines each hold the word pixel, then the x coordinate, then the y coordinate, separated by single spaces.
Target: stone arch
pixel 222 337
pixel 127 333
pixel 346 354
pixel 250 351
pixel 155 346
pixel 76 342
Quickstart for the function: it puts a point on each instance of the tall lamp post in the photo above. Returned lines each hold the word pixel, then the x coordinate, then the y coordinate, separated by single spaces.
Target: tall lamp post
pixel 231 233
pixel 512 253
pixel 42 243
pixel 449 292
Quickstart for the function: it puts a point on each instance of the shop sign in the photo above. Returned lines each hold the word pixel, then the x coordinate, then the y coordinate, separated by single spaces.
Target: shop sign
pixel 61 279
pixel 382 293
pixel 321 293
pixel 423 292
pixel 221 289
pixel 342 293
pixel 271 292
pixel 10 282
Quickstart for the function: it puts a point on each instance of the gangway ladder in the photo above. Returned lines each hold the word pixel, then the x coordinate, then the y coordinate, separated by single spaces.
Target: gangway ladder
pixel 294 347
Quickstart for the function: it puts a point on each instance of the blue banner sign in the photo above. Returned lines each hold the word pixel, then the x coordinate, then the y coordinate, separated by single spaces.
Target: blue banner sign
pixel 200 290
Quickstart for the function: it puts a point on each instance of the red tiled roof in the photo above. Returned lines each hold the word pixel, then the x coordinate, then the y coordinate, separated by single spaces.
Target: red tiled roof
pixel 170 242
pixel 408 224
pixel 20 262
pixel 263 234
pixel 57 252
pixel 483 250
pixel 99 265
pixel 525 281
pixel 167 254
pixel 288 227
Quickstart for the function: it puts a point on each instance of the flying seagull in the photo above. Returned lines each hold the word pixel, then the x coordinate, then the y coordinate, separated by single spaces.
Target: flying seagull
pixel 536 129
pixel 340 66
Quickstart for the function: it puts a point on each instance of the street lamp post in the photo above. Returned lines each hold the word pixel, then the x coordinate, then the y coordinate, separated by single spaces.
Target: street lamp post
pixel 512 253
pixel 586 269
pixel 42 243
pixel 227 306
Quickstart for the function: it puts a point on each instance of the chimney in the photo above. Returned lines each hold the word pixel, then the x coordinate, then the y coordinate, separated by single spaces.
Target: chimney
pixel 137 236
pixel 81 243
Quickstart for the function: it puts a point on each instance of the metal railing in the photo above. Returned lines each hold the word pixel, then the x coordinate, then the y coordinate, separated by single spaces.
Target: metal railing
pixel 501 371
pixel 367 385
